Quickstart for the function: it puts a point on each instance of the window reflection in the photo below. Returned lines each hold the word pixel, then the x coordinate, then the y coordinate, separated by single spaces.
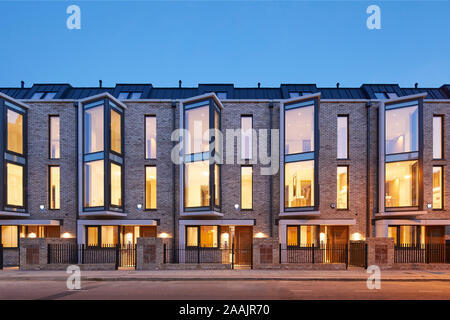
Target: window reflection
pixel 299 130
pixel 197 123
pixel 150 137
pixel 402 184
pixel 93 126
pixel 299 184
pixel 196 180
pixel 15 131
pixel 402 129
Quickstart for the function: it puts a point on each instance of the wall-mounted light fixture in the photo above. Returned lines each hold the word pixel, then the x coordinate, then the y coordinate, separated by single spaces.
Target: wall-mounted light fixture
pixel 332 205
pixel 42 207
pixel 163 235
pixel 236 207
pixel 260 235
pixel 139 206
pixel 429 206
pixel 66 235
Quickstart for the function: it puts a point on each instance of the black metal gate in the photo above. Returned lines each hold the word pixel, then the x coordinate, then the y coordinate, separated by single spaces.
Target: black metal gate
pixel 358 254
pixel 127 256
pixel 1 256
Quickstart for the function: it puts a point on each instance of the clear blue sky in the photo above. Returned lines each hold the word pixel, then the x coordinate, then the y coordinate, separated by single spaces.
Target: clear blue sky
pixel 240 42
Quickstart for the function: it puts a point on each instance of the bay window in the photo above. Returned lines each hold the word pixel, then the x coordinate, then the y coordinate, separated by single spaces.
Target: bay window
pixel 14 159
pixel 403 173
pixel 103 159
pixel 300 155
pixel 202 173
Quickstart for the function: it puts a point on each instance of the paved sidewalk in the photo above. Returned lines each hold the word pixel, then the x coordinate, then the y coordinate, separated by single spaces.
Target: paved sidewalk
pixel 236 275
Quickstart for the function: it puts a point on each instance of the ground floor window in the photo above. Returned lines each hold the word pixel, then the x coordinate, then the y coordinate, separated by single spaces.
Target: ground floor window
pixel 416 235
pixel 39 231
pixel 130 234
pixel 106 236
pixel 203 236
pixel 9 236
pixel 306 236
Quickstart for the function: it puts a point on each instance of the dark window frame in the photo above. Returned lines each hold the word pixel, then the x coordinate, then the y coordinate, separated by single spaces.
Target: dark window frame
pixel 212 108
pixel 145 187
pixel 49 186
pixel 145 136
pixel 348 136
pixel 315 154
pixel 199 236
pixel 419 152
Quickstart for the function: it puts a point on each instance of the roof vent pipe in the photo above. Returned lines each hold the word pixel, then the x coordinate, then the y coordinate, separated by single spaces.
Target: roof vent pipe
pixel 337 85
pixel 259 85
pixel 179 83
pixel 100 83
pixel 22 84
pixel 416 85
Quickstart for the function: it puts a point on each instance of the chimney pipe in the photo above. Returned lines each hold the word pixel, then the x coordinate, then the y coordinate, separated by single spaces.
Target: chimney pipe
pixel 100 83
pixel 337 85
pixel 179 83
pixel 22 84
pixel 259 85
pixel 416 85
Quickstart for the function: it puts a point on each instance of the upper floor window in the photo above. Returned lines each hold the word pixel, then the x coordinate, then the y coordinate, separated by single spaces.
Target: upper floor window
pixel 246 187
pixel 342 187
pixel 385 95
pixel 300 155
pixel 116 131
pixel 246 137
pixel 342 137
pixel 103 168
pixel 150 137
pixel 402 129
pixel 54 137
pixel 299 129
pixel 14 185
pixel 54 187
pixel 201 177
pixel 43 95
pixel 438 190
pixel 150 187
pixel 402 184
pixel 15 131
pixel 438 135
pixel 124 95
pixel 94 129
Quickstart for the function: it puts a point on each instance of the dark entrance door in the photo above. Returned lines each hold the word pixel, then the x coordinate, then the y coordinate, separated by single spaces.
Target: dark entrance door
pixel 243 240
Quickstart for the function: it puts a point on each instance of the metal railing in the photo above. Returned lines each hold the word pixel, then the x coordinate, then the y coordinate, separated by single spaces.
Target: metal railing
pixel 70 253
pixel 422 253
pixel 311 253
pixel 199 255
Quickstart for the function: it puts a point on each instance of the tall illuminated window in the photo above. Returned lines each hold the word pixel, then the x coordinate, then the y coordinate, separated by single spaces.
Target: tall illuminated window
pixel 300 154
pixel 438 137
pixel 54 187
pixel 150 137
pixel 103 156
pixel 54 137
pixel 342 137
pixel 402 154
pixel 342 187
pixel 246 137
pixel 438 190
pixel 201 176
pixel 150 187
pixel 14 163
pixel 246 187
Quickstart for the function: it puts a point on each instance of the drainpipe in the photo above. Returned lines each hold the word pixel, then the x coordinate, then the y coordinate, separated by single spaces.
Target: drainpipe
pixel 270 176
pixel 368 221
pixel 174 212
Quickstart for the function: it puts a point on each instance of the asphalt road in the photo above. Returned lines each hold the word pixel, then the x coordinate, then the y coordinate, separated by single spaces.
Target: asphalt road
pixel 224 290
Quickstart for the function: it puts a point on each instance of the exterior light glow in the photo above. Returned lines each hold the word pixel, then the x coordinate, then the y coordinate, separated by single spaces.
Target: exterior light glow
pixel 236 207
pixel 357 236
pixel 163 235
pixel 429 206
pixel 32 235
pixel 139 206
pixel 42 207
pixel 66 235
pixel 260 235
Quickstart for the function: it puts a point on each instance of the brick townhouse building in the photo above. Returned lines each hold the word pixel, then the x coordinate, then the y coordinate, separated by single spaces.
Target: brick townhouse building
pixel 95 164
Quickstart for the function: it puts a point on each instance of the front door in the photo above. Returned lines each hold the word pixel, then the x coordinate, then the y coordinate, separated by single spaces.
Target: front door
pixel 243 240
